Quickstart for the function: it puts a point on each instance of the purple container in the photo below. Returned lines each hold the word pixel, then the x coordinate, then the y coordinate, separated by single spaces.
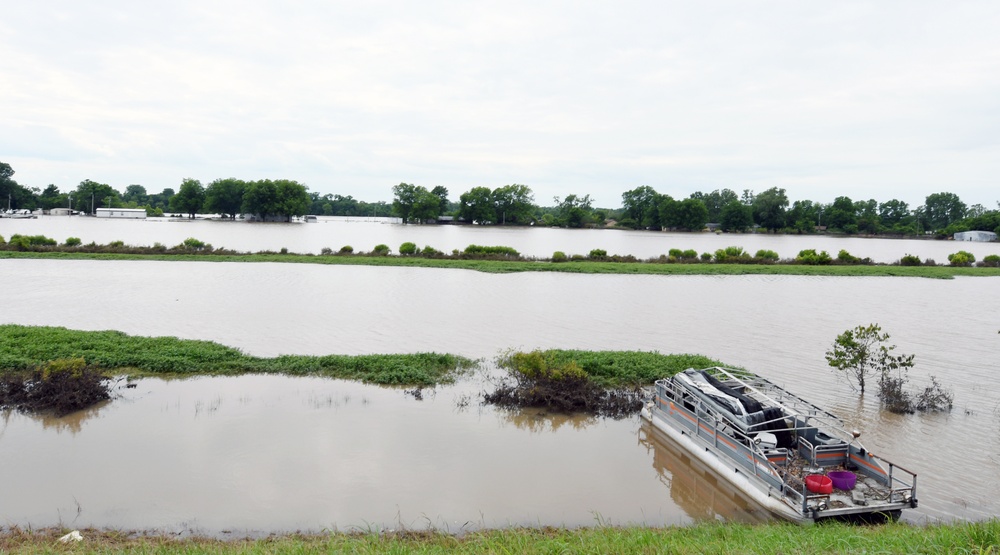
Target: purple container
pixel 843 479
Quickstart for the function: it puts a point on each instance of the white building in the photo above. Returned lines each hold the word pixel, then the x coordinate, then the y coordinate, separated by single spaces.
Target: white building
pixel 128 213
pixel 976 236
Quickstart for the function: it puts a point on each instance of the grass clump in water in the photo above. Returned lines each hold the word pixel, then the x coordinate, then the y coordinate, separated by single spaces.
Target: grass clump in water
pixel 61 386
pixel 23 347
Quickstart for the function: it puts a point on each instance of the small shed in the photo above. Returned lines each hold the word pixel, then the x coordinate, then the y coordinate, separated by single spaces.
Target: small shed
pixel 984 236
pixel 126 213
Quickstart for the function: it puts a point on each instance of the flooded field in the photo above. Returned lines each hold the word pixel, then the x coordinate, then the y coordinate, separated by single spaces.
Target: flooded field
pixel 267 453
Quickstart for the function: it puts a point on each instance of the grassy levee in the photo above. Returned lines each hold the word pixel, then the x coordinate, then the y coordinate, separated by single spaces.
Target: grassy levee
pixel 712 538
pixel 23 347
pixel 511 266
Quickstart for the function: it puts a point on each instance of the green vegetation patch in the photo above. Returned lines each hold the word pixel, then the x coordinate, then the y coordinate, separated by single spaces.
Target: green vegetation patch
pixel 24 347
pixel 708 538
pixel 628 368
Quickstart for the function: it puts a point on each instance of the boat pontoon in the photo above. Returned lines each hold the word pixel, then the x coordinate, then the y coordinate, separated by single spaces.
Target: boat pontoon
pixel 788 455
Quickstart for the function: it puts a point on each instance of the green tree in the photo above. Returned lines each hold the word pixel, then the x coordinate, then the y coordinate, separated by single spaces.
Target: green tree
pixel 260 199
pixel 692 214
pixel 189 198
pixel 867 216
pixel 716 201
pixel 769 208
pixel 862 351
pixel 404 197
pixel 574 211
pixel 427 206
pixel 442 194
pixel 90 195
pixel 225 197
pixel 841 215
pixel 135 194
pixel 736 216
pixel 476 206
pixel 292 199
pixel 941 209
pixel 640 205
pixel 513 204
pixel 895 215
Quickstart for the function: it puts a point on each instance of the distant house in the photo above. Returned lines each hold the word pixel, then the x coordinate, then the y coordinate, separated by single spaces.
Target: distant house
pixel 122 213
pixel 985 236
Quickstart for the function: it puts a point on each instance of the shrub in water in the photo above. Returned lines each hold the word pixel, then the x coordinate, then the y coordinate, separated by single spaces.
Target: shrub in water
pixel 559 256
pixel 991 260
pixel 847 258
pixel 326 251
pixel 689 254
pixel 730 254
pixel 493 250
pixel 346 249
pixel 706 256
pixel 812 258
pixel 430 251
pixel 598 253
pixel 675 253
pixel 73 242
pixel 961 258
pixel 381 249
pixel 408 248
pixel 909 260
pixel 116 244
pixel 765 254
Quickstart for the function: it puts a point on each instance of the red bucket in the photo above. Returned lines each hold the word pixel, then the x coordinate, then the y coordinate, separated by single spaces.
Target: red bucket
pixel 818 483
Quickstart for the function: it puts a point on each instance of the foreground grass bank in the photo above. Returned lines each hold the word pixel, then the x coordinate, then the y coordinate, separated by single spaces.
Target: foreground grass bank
pixel 23 347
pixel 524 265
pixel 714 538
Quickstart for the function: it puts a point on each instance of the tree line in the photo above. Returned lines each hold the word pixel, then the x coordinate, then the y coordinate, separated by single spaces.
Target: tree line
pixel 641 208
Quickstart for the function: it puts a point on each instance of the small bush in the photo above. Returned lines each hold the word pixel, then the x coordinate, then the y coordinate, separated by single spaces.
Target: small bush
pixel 559 256
pixel 910 260
pixel 408 248
pixel 478 250
pixel 847 258
pixel 326 251
pixel 991 260
pixel 381 250
pixel 116 244
pixel 765 254
pixel 284 250
pixel 812 258
pixel 430 251
pixel 193 244
pixel 2 242
pixel 346 249
pixel 26 242
pixel 961 258
pixel 598 253
pixel 706 257
pixel 731 255
pixel 934 398
pixel 689 254
pixel 73 242
pixel 675 253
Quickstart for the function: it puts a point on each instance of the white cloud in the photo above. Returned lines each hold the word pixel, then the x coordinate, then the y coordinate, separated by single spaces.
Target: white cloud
pixel 887 100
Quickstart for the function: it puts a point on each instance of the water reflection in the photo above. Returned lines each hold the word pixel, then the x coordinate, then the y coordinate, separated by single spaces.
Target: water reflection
pixel 541 421
pixel 694 487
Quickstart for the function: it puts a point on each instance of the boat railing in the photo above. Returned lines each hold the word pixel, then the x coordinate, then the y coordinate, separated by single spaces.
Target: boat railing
pixel 901 488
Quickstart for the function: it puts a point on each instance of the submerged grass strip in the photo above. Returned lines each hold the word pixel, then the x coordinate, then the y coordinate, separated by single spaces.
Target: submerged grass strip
pixel 574 267
pixel 23 347
pixel 710 538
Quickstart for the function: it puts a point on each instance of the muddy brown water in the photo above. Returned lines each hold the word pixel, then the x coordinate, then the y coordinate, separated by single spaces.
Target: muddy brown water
pixel 263 454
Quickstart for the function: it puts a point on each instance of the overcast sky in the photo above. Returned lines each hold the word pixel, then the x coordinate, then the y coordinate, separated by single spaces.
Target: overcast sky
pixel 883 100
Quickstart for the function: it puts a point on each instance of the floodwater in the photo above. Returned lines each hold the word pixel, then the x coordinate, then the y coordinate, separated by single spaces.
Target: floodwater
pixel 363 234
pixel 269 453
